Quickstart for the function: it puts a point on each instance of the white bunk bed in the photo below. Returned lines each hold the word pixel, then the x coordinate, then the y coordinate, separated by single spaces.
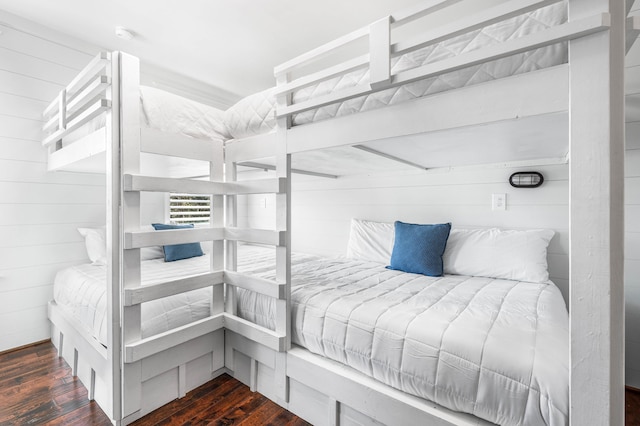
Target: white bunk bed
pixel 96 125
pixel 134 371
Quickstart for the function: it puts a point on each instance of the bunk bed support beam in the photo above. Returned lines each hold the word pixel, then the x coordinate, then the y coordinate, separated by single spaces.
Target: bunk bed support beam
pixel 597 218
pixel 114 343
pixel 131 321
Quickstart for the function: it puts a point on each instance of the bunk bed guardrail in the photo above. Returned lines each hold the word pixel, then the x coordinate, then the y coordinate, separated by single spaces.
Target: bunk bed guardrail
pixel 381 50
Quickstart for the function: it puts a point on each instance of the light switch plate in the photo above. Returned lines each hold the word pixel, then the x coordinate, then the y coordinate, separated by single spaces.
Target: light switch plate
pixel 498 201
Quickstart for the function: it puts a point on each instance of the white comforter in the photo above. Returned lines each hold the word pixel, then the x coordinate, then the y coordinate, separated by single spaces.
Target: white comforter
pixel 497 349
pixel 255 114
pixel 81 291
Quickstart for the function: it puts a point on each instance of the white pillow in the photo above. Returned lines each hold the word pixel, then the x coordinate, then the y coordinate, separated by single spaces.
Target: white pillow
pixel 370 241
pixel 95 240
pixel 494 253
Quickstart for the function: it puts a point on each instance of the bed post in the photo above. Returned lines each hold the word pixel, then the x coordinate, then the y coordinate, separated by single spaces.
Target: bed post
pixel 216 220
pixel 283 252
pixel 113 236
pixel 231 251
pixel 597 218
pixel 130 155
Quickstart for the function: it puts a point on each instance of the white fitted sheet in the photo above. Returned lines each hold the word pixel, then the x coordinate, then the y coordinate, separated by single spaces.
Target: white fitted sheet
pixel 255 114
pixel 498 349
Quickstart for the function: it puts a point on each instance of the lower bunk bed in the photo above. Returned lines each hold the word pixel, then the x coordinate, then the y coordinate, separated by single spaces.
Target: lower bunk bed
pixel 78 315
pixel 371 345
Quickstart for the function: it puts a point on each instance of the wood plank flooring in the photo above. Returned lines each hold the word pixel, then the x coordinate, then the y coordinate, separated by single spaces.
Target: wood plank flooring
pixel 36 387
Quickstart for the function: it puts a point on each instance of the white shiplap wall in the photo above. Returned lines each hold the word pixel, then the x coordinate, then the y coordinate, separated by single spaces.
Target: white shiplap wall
pixel 322 208
pixel 39 211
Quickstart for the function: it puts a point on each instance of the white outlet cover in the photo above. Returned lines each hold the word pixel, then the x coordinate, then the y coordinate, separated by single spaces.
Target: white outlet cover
pixel 498 201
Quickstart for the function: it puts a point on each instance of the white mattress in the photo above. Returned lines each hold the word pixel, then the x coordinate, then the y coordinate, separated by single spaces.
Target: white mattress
pixel 81 291
pixel 169 113
pixel 497 349
pixel 255 114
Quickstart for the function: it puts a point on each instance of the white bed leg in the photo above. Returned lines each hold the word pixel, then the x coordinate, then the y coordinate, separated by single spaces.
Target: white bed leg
pixel 60 343
pixel 228 355
pixel 182 380
pixel 334 412
pixel 75 363
pixel 282 380
pixel 92 385
pixel 253 380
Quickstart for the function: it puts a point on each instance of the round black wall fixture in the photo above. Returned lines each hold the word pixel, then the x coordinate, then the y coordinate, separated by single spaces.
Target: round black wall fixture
pixel 526 179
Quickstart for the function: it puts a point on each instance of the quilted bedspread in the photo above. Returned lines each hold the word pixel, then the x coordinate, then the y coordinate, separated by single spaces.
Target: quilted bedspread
pixel 497 349
pixel 255 114
pixel 81 292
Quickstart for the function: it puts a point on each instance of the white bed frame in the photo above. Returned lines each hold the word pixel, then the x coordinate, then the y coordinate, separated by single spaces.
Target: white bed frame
pixel 133 375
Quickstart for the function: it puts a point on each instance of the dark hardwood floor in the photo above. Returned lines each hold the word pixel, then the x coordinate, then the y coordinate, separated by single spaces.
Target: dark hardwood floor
pixel 36 387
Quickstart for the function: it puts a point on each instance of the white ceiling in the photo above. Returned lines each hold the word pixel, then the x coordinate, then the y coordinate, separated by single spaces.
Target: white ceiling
pixel 230 44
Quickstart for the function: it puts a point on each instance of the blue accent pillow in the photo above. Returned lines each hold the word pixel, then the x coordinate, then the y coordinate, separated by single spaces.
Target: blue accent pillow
pixel 178 251
pixel 419 248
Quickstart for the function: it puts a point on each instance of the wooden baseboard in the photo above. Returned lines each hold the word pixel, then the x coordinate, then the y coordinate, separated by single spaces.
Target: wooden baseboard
pixel 632 389
pixel 24 346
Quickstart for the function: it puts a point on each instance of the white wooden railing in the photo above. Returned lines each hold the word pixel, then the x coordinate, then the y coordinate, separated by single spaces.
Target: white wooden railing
pixel 381 50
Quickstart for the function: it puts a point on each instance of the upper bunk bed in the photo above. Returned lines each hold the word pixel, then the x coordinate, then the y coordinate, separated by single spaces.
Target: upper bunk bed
pixel 77 132
pixel 490 87
pixel 394 79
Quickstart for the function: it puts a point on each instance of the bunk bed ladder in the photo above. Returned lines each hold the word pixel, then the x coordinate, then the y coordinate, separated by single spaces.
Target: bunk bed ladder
pixel 145 359
pixel 239 330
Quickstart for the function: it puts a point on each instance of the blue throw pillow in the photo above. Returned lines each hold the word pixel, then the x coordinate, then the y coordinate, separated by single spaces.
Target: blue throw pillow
pixel 419 248
pixel 178 251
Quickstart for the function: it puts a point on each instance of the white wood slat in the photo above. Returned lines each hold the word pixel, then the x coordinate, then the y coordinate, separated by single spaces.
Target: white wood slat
pixel 321 51
pixel 565 32
pixel 258 186
pixel 325 74
pixel 256 236
pixel 191 186
pixel 152 345
pixel 251 148
pixel 92 144
pixel 380 402
pixel 176 145
pixel 160 184
pixel 553 35
pixel 97 86
pixel 89 114
pixel 259 285
pixel 134 296
pixel 89 72
pixel 254 332
pixel 467 24
pixel 379 46
pixel 420 9
pixel 139 239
